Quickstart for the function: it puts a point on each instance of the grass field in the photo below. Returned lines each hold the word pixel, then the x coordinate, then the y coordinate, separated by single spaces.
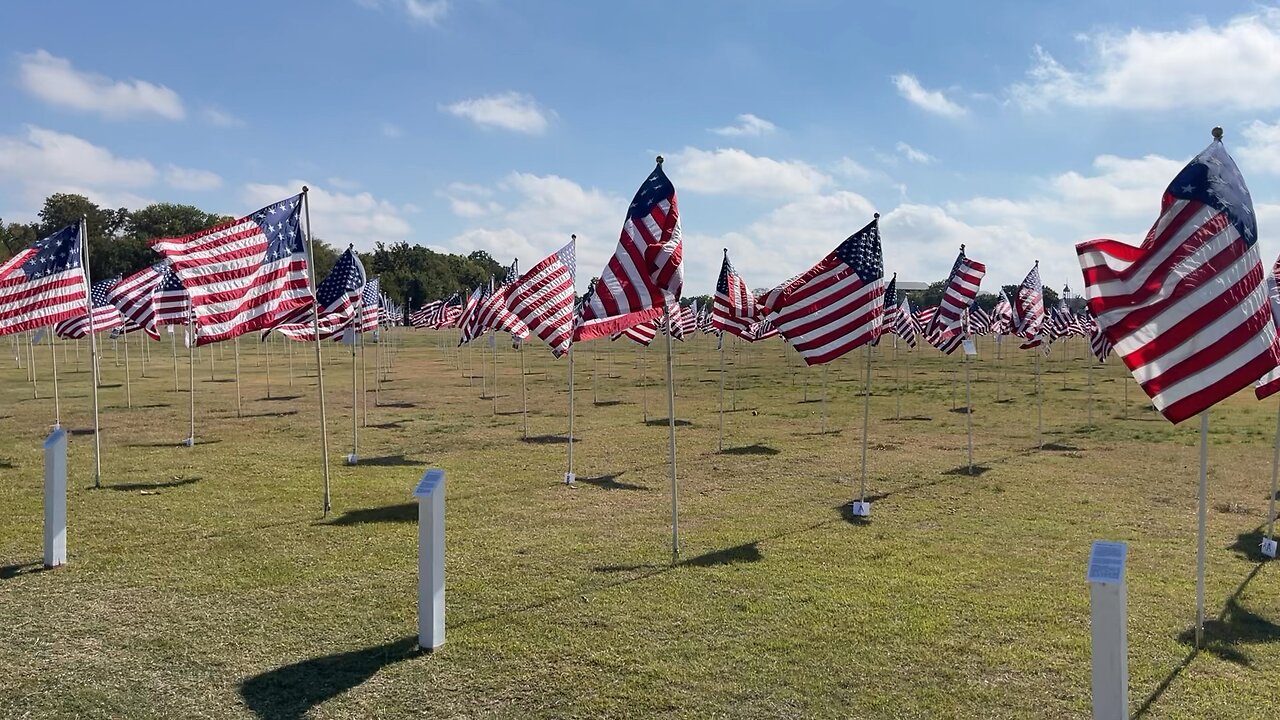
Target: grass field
pixel 204 583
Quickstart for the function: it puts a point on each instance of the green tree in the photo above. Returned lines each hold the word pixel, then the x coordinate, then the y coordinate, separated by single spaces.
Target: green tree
pixel 15 237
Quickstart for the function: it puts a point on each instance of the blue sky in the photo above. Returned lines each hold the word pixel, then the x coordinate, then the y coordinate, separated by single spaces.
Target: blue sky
pixel 1017 128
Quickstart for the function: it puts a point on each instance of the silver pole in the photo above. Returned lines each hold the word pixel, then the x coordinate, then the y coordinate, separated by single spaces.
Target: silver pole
pixel 999 369
pixel 644 382
pixel 866 422
pixel 897 380
pixel 289 345
pixel 173 345
pixel 968 409
pixel 568 476
pixel 93 355
pixel 824 399
pixel 377 373
pixel 315 329
pixel 1204 518
pixel 524 395
pixel 671 431
pixel 211 353
pixel 142 343
pixel 1090 360
pixel 191 371
pixel 1039 402
pixel 355 404
pixel 595 372
pixel 1275 479
pixel 495 372
pixel 57 402
pixel 364 383
pixel 128 385
pixel 720 446
pixel 31 361
pixel 265 347
pixel 237 359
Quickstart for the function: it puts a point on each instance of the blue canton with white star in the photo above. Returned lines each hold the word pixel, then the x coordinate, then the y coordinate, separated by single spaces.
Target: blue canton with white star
pixel 1212 178
pixel 98 293
pixel 347 276
pixel 861 252
pixel 653 190
pixel 372 296
pixel 57 253
pixel 280 223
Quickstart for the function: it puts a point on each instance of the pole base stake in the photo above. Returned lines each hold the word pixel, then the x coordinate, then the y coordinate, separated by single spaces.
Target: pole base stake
pixel 352 459
pixel 570 478
pixel 1269 548
pixel 860 508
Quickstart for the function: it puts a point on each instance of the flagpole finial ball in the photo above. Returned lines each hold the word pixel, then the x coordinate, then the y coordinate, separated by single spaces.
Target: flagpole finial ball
pixel 659 159
pixel 1217 133
pixel 573 237
pixel 875 216
pixel 305 189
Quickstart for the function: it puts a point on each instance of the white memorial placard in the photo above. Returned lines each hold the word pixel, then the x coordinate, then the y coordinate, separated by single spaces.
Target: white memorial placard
pixel 55 499
pixel 569 478
pixel 969 347
pixel 430 496
pixel 1269 547
pixel 1108 630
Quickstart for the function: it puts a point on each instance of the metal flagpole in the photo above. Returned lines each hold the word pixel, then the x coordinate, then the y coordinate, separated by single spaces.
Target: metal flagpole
pixel 720 446
pixel 265 347
pixel 289 345
pixel 568 476
pixel 58 405
pixel 1039 402
pixel 824 398
pixel 866 422
pixel 315 330
pixel 897 380
pixel 377 372
pixel 93 353
pixel 493 339
pixel 173 345
pixel 968 408
pixel 354 457
pixel 1090 392
pixel 236 341
pixel 595 371
pixel 1275 484
pixel 31 361
pixel 1203 517
pixel 191 370
pixel 1125 412
pixel 1000 368
pixel 211 378
pixel 644 381
pixel 128 385
pixel 364 382
pixel 524 395
pixel 671 431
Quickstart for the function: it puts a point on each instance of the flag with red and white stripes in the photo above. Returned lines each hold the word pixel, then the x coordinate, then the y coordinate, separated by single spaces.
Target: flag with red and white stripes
pixel 1187 310
pixel 958 295
pixel 243 275
pixel 542 298
pixel 134 298
pixel 1002 316
pixel 1269 384
pixel 836 305
pixel 1098 342
pixel 1028 307
pixel 645 275
pixel 642 334
pixel 491 312
pixel 44 284
pixel 734 308
pixel 904 322
pixel 170 302
pixel 103 317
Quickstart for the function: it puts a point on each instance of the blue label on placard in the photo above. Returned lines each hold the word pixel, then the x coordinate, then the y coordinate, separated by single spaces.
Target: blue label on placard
pixel 429 482
pixel 1106 562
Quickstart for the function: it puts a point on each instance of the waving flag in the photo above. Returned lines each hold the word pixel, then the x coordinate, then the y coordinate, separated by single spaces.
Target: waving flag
pixel 835 306
pixel 1002 316
pixel 44 284
pixel 170 302
pixel 1187 310
pixel 904 323
pixel 104 317
pixel 542 298
pixel 336 298
pixel 1028 306
pixel 134 297
pixel 979 321
pixel 491 313
pixel 889 302
pixel 958 295
pixel 371 305
pixel 734 309
pixel 1269 384
pixel 645 274
pixel 762 330
pixel 243 275
pixel 642 334
pixel 1098 342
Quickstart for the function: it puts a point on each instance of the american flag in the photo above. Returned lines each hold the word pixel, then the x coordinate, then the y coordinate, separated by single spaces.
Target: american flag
pixel 979 322
pixel 1002 316
pixel 1187 310
pixel 44 284
pixel 645 274
pixel 958 295
pixel 683 321
pixel 170 300
pixel 371 305
pixel 105 316
pixel 134 297
pixel 924 317
pixel 542 298
pixel 243 275
pixel 904 323
pixel 888 303
pixel 336 297
pixel 643 334
pixel 946 341
pixel 1028 307
pixel 835 306
pixel 762 330
pixel 705 324
pixel 424 317
pixel 734 309
pixel 1098 342
pixel 1269 384
pixel 491 313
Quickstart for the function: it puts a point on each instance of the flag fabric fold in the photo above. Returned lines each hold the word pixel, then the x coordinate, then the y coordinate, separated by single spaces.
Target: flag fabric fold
pixel 44 284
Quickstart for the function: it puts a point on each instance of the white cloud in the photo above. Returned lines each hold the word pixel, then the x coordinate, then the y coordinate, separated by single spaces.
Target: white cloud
pixel 429 12
pixel 928 100
pixel 733 171
pixel 512 111
pixel 343 183
pixel 189 179
pixel 914 155
pixel 339 218
pixel 847 167
pixel 391 131
pixel 748 126
pixel 1261 149
pixel 1233 65
pixel 54 80
pixel 221 118
pixel 41 162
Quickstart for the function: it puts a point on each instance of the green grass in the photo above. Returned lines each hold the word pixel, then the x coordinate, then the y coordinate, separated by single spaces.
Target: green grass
pixel 203 582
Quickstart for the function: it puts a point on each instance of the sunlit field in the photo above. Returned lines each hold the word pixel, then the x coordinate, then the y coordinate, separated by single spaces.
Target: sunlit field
pixel 204 581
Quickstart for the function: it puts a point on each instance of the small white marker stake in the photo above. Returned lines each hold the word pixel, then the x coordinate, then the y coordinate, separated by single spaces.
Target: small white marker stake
pixel 1107 601
pixel 430 496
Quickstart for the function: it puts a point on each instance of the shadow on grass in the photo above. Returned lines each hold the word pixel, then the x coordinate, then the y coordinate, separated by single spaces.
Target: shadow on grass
pixel 742 409
pixel 809 401
pixel 507 413
pixel 662 422
pixel 548 439
pixel 402 513
pixel 1060 447
pixel 390 461
pixel 847 515
pixel 282 413
pixel 290 692
pixel 961 411
pixel 6 464
pixel 405 405
pixel 1233 626
pixel 179 443
pixel 8 572
pixel 1248 545
pixel 910 418
pixel 80 431
pixel 393 425
pixel 606 403
pixel 744 553
pixel 175 482
pixel 756 449
pixel 965 470
pixel 610 482
pixel 280 398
